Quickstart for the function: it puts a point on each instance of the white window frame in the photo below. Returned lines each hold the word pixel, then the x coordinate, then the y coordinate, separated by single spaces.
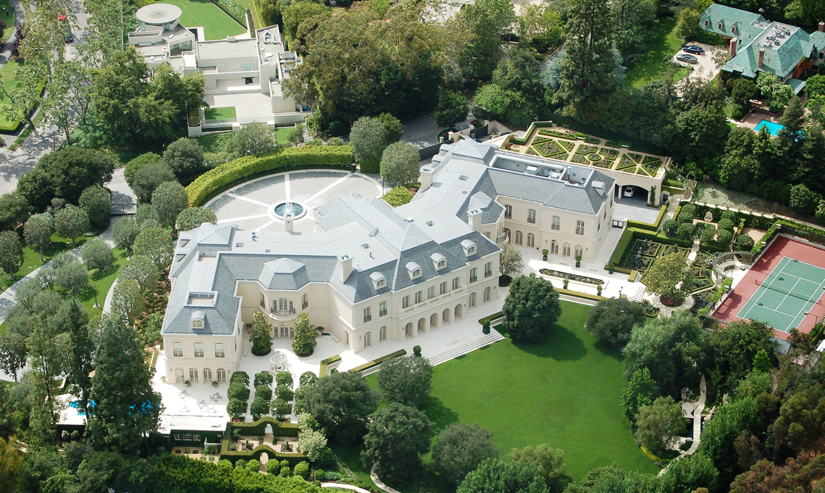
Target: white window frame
pixel 198 347
pixel 220 352
pixel 177 350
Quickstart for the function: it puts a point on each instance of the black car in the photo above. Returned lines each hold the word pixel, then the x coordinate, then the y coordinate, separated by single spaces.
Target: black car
pixel 687 58
pixel 696 50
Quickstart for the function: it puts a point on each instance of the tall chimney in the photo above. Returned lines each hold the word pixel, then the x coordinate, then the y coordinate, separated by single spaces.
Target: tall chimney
pixel 475 219
pixel 761 57
pixel 732 50
pixel 345 261
pixel 822 26
pixel 426 178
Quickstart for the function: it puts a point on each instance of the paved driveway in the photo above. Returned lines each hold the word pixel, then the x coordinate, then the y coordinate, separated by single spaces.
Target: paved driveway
pixel 629 208
pixel 706 69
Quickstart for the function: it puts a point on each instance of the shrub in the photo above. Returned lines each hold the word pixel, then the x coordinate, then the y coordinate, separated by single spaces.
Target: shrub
pixel 708 233
pixel 307 379
pixel 670 227
pixel 726 224
pixel 685 217
pixel 319 475
pixel 744 242
pixel 283 378
pixel 264 392
pixel 398 196
pixel 280 408
pixel 185 158
pixel 239 376
pixel 685 230
pixel 246 167
pixel 263 378
pixel 238 391
pixel 98 255
pixel 284 392
pixel 417 351
pixel 301 469
pixel 399 164
pixel 273 467
pixel 723 238
pixel 97 202
pixel 332 476
pixel 729 215
pixel 689 208
pixel 820 212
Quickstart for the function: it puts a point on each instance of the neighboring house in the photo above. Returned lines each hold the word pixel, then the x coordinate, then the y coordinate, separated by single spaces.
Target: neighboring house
pixel 241 72
pixel 758 45
pixel 371 273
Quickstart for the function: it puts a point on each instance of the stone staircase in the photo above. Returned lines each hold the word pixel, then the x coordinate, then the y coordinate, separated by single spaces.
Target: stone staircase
pixel 490 338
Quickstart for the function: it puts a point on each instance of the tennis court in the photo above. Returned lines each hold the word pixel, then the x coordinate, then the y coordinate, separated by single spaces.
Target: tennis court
pixel 783 298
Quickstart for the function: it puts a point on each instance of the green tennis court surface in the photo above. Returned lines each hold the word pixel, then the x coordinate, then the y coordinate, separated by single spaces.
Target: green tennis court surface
pixel 785 295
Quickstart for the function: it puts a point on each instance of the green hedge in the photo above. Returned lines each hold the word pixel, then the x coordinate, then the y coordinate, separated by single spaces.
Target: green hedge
pixel 648 226
pixel 751 220
pixel 257 428
pixel 814 235
pixel 245 168
pixel 622 250
pixel 233 10
pixel 488 320
pixel 377 361
pixel 580 295
pixel 327 362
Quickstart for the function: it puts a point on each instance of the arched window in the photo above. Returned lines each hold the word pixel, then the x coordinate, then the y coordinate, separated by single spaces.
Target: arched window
pixel 367 339
pixel 193 375
pixel 472 301
pixel 518 237
pixel 382 334
pixel 565 250
pixel 554 247
pixel 179 375
pixel 207 375
pixel 221 375
pixel 486 294
pixel 531 240
pixel 434 320
pixel 579 250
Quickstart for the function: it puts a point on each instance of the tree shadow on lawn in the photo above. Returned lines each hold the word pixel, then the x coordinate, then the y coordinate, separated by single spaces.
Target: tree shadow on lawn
pixel 562 345
pixel 439 414
pixel 608 351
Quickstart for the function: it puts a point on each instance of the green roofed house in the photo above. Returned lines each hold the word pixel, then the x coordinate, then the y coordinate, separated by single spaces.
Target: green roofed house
pixel 759 45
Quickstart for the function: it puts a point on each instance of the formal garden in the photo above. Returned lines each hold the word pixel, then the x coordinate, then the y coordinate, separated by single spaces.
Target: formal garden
pixel 580 148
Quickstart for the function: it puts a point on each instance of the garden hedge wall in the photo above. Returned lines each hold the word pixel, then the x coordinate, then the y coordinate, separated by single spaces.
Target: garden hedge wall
pixel 326 362
pixel 814 235
pixel 245 168
pixel 487 320
pixel 648 226
pixel 622 250
pixel 377 361
pixel 751 220
pixel 257 428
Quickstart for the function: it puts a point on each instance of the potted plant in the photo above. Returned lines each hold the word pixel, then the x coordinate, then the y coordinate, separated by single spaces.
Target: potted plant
pixel 578 260
pixel 610 268
pixel 544 254
pixel 566 283
pixel 214 383
pixel 599 289
pixel 187 383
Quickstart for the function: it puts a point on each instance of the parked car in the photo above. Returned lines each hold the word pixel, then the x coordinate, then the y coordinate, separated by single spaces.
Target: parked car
pixel 628 190
pixel 696 50
pixel 687 58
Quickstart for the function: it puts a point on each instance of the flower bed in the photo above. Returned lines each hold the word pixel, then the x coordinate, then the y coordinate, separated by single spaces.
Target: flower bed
pixel 671 302
pixel 585 149
pixel 627 162
pixel 647 247
pixel 592 140
pixel 609 153
pixel 553 133
pixel 669 249
pixel 550 149
pixel 541 140
pixel 649 309
pixel 594 157
pixel 567 145
pixel 579 158
pixel 572 277
pixel 651 164
pixel 531 152
pixel 638 262
pixel 635 157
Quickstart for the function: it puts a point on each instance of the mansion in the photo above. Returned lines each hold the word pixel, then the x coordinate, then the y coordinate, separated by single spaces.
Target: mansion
pixel 370 273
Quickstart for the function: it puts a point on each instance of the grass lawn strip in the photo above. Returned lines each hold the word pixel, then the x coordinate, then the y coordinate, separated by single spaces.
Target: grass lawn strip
pixel 7 75
pixel 7 16
pixel 222 113
pixel 216 24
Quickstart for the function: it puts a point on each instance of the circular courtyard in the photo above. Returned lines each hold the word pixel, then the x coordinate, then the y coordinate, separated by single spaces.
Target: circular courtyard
pixel 264 204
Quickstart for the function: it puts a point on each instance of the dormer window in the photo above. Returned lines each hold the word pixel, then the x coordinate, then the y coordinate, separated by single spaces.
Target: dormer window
pixel 733 29
pixel 439 261
pixel 414 270
pixel 198 318
pixel 707 22
pixel 378 280
pixel 469 247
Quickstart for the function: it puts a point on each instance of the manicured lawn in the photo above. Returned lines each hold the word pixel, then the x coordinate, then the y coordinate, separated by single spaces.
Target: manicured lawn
pixel 223 113
pixel 31 258
pixel 103 281
pixel 7 16
pixel 216 24
pixel 281 135
pixel 565 392
pixel 7 75
pixel 652 66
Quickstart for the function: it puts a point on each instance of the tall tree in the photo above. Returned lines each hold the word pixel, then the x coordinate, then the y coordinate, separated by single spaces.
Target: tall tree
pixel 126 408
pixel 488 20
pixel 11 252
pixel 13 353
pixel 660 423
pixel 633 20
pixel 72 222
pixel 460 448
pixel 495 476
pixel 612 320
pixel 156 244
pixel 81 353
pixel 397 436
pixel 666 277
pixel 341 403
pixel 549 463
pixel 587 69
pixel 38 232
pixel 406 380
pixel 169 200
pixel 127 301
pixel 305 336
pixel 531 309
pixel 369 139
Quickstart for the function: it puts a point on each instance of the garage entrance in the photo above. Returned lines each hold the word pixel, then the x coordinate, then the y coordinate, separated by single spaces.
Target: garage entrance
pixel 639 195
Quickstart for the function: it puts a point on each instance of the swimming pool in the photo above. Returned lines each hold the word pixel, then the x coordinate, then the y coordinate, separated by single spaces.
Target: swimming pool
pixel 773 128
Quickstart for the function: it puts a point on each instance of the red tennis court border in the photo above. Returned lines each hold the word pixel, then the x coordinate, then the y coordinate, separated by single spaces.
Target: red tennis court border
pixel 782 246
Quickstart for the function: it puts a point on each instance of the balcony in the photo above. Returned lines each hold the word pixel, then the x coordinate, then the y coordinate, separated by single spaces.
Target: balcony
pixel 502 238
pixel 282 314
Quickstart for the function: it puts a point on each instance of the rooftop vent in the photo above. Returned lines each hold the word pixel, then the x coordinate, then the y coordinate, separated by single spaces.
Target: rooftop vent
pixel 374 232
pixel 365 245
pixel 463 178
pixel 409 219
pixel 430 223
